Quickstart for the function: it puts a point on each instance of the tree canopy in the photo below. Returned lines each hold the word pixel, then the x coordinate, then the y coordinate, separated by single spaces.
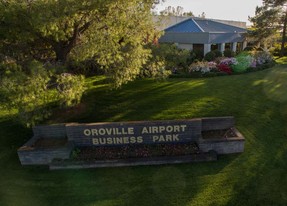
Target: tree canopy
pixel 175 11
pixel 266 24
pixel 269 20
pixel 114 32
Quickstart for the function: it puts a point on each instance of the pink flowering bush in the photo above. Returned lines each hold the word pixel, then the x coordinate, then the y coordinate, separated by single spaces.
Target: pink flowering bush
pixel 228 61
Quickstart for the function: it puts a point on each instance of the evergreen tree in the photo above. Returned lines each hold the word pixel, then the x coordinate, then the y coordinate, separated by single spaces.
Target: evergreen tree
pixel 283 5
pixel 269 20
pixel 266 24
pixel 114 32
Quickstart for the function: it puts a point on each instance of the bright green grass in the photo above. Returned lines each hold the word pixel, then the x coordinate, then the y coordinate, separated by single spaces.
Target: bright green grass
pixel 281 60
pixel 257 177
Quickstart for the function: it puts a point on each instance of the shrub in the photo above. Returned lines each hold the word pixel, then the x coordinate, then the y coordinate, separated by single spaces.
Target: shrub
pixel 244 60
pixel 28 94
pixel 262 57
pixel 225 68
pixel 217 53
pixel 228 53
pixel 210 56
pixel 248 48
pixel 228 61
pixel 199 54
pixel 192 57
pixel 70 88
pixel 155 69
pixel 171 55
pixel 203 67
pixel 33 95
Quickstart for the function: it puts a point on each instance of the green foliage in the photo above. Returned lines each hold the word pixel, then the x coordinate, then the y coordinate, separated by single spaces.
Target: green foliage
pixel 173 57
pixel 114 33
pixel 198 54
pixel 70 88
pixel 155 68
pixel 268 22
pixel 277 51
pixel 217 53
pixel 8 67
pixel 128 65
pixel 210 56
pixel 228 53
pixel 249 48
pixel 28 94
pixel 88 67
pixel 75 153
pixel 244 61
pixel 34 95
pixel 265 24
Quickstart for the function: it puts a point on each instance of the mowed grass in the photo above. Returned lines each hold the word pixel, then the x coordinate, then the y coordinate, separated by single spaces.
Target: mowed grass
pixel 258 101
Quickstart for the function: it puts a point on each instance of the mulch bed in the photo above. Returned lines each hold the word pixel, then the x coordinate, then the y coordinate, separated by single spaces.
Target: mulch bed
pixel 50 143
pixel 134 151
pixel 215 134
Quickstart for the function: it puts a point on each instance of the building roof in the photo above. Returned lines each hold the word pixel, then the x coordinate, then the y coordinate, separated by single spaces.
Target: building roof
pixel 214 27
pixel 204 25
pixel 188 25
pixel 163 22
pixel 203 31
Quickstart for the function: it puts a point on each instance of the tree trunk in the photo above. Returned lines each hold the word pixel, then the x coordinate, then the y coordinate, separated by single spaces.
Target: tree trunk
pixel 63 49
pixel 283 35
pixel 61 54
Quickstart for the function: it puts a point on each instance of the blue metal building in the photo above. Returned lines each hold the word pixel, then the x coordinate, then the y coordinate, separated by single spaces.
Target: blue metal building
pixel 206 34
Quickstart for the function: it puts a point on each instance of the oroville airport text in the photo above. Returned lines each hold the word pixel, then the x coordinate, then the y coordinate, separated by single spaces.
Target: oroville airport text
pixel 132 135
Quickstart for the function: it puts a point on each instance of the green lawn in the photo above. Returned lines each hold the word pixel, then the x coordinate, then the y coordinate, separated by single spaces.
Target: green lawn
pixel 257 177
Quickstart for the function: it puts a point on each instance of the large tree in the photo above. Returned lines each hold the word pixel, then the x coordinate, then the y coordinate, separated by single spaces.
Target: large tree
pixel 283 5
pixel 270 19
pixel 266 24
pixel 112 31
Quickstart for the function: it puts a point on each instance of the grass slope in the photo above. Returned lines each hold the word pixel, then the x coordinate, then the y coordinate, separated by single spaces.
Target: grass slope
pixel 257 177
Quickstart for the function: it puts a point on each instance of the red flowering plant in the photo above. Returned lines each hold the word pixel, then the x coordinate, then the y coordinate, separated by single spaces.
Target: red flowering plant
pixel 225 65
pixel 224 68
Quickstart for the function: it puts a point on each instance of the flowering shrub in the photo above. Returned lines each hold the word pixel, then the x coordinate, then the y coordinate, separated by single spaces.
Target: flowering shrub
pixel 226 64
pixel 202 67
pixel 224 68
pixel 245 61
pixel 262 57
pixel 253 63
pixel 228 61
pixel 212 65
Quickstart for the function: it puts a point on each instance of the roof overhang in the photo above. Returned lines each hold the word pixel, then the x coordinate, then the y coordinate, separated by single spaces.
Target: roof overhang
pixel 201 37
